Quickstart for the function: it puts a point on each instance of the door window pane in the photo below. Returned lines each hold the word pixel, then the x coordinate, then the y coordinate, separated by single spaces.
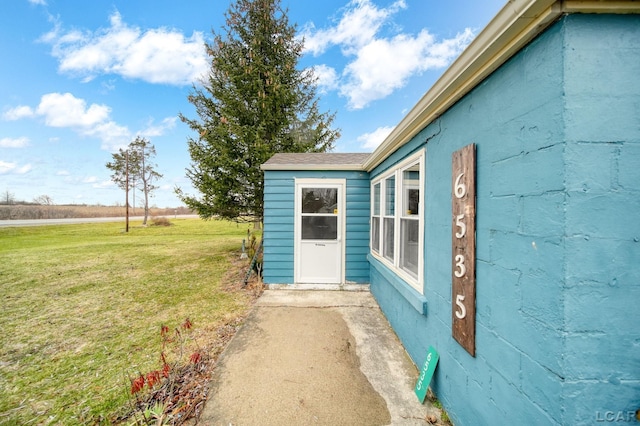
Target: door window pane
pixel 319 200
pixel 319 227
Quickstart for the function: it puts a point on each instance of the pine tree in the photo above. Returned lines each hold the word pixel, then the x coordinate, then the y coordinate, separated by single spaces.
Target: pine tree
pixel 254 103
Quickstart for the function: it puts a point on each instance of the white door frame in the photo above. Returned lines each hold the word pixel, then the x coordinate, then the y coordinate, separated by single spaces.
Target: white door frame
pixel 300 183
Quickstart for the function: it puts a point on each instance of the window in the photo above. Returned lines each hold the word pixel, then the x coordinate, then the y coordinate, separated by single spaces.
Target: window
pixel 410 220
pixel 388 223
pixel 319 220
pixel 397 219
pixel 375 219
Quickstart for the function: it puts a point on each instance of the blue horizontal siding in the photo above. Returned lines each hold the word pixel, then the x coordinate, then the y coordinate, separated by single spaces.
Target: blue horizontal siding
pixel 279 204
pixel 352 237
pixel 279 197
pixel 357 205
pixel 278 220
pixel 278 228
pixel 280 239
pixel 280 261
pixel 355 226
pixel 357 196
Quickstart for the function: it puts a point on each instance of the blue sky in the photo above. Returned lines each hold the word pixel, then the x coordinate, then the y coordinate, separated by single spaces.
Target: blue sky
pixel 80 79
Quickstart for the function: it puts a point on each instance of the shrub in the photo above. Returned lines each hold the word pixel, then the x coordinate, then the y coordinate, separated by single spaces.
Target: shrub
pixel 160 221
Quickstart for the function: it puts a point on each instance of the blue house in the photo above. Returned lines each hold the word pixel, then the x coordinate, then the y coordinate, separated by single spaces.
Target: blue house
pixel 498 223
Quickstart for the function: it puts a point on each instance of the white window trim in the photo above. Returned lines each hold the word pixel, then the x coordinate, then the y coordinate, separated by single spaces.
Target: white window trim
pixel 396 170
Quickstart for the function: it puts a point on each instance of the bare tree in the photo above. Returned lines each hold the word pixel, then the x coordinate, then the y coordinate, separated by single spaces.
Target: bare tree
pixel 43 200
pixel 8 198
pixel 134 167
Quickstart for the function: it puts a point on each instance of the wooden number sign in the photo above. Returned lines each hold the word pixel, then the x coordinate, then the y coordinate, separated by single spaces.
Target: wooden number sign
pixel 463 237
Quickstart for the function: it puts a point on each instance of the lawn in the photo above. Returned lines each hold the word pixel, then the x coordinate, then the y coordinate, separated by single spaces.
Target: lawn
pixel 81 308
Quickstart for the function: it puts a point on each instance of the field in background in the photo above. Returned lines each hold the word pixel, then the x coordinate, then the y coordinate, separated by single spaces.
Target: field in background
pixel 38 211
pixel 83 305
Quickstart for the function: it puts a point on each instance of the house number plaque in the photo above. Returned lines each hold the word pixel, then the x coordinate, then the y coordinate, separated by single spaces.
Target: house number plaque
pixel 463 237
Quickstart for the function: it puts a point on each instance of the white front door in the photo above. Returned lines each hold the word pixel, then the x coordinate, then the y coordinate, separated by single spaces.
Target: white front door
pixel 319 231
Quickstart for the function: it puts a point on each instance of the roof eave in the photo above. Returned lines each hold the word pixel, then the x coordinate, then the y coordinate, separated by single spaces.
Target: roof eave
pixel 517 23
pixel 312 167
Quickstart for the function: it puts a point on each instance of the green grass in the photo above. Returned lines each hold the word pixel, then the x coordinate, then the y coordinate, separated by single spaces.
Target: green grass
pixel 81 308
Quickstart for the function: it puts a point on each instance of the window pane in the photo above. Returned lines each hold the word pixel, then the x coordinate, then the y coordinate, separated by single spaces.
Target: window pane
pixel 387 240
pixel 411 190
pixel 376 199
pixel 390 196
pixel 375 234
pixel 319 227
pixel 409 245
pixel 319 200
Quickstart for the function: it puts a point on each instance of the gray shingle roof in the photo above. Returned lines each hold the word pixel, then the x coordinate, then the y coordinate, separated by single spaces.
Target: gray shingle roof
pixel 316 161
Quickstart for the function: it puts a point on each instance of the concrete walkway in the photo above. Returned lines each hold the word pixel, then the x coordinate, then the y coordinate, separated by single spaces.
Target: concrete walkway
pixel 315 357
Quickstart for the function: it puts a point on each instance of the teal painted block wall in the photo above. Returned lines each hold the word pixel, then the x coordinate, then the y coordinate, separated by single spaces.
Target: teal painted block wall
pixel 557 130
pixel 279 187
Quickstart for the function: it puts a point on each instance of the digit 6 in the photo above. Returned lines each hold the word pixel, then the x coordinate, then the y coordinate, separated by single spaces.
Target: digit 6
pixel 459 188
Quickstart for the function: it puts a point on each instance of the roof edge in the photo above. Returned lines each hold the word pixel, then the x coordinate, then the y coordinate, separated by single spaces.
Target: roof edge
pixel 515 25
pixel 313 167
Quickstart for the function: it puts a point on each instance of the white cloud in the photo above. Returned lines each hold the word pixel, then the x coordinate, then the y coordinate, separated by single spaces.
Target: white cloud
pixel 374 139
pixel 13 168
pixel 327 78
pixel 159 129
pixel 385 65
pixel 359 24
pixel 39 2
pixel 18 113
pixel 24 169
pixel 159 55
pixel 14 143
pixel 379 65
pixel 112 135
pixel 94 120
pixel 65 110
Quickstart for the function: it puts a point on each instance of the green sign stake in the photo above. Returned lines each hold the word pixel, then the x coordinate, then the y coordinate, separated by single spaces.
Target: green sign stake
pixel 426 374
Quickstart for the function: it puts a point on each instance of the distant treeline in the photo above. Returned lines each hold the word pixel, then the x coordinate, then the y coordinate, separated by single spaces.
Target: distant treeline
pixel 36 211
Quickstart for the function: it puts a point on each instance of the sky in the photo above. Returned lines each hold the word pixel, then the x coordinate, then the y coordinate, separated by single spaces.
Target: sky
pixel 81 79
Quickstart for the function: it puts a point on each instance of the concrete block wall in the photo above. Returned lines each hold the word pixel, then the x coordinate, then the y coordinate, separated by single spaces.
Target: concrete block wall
pixel 556 324
pixel 602 161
